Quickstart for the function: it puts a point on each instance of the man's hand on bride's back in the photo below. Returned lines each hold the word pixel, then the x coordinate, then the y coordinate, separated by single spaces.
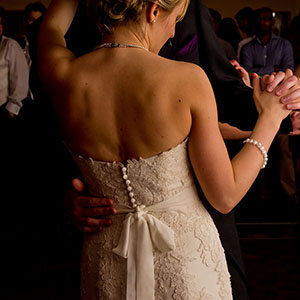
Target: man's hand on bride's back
pixel 89 214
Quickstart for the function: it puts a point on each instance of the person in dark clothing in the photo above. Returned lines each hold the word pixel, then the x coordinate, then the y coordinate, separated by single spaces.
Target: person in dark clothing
pixel 33 11
pixel 216 18
pixel 267 52
pixel 229 32
pixel 244 18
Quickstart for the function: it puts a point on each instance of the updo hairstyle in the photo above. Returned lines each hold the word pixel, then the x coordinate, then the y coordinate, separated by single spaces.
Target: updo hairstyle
pixel 109 14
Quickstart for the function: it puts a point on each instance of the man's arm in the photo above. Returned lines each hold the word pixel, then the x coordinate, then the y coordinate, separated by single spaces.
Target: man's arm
pixel 232 133
pixel 297 71
pixel 18 77
pixel 295 119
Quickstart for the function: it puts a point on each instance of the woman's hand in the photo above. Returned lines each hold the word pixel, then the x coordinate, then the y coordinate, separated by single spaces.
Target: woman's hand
pixel 89 214
pixel 268 103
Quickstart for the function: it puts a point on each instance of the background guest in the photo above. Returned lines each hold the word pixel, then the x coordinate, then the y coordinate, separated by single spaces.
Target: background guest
pixel 33 11
pixel 228 49
pixel 267 52
pixel 244 18
pixel 14 73
pixel 229 32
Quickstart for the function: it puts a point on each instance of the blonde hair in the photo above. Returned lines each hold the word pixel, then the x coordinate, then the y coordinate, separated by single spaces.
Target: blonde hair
pixel 111 13
pixel 169 5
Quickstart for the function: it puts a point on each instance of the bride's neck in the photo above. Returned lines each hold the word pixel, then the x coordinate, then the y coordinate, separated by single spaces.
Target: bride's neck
pixel 127 34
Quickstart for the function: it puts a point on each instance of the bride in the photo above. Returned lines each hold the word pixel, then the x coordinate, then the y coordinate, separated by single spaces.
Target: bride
pixel 139 126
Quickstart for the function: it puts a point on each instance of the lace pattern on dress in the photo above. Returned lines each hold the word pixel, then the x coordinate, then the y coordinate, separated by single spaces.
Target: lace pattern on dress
pixel 196 269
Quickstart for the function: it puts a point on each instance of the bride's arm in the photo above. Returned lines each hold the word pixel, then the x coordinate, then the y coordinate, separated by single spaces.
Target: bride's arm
pixel 225 182
pixel 54 58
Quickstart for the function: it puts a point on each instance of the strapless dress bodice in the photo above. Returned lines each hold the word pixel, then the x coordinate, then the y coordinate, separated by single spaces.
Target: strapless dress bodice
pixel 152 179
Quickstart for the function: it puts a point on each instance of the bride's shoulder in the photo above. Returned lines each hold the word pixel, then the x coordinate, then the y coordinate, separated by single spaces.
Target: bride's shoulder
pixel 189 81
pixel 183 71
pixel 188 77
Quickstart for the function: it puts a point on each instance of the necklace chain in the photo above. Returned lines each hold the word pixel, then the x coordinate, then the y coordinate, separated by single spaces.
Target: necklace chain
pixel 120 45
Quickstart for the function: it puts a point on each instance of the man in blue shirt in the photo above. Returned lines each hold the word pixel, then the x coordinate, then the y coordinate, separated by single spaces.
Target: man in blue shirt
pixel 267 52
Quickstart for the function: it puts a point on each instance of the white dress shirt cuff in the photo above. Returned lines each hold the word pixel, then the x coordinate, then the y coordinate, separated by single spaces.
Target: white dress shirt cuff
pixel 13 106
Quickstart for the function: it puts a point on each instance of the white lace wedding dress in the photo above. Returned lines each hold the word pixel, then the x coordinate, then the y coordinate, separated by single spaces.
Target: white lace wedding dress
pixel 162 244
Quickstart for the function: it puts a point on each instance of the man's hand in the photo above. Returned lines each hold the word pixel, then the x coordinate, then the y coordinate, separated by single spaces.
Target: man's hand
pixel 281 82
pixel 242 72
pixel 295 119
pixel 89 214
pixel 233 133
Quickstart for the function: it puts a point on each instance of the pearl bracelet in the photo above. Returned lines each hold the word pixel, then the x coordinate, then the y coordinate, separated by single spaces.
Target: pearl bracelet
pixel 261 148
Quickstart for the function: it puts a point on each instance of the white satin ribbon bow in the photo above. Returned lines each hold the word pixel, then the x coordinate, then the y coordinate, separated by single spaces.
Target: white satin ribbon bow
pixel 140 233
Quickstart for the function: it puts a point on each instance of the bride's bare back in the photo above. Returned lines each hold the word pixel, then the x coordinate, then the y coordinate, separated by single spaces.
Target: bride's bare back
pixel 121 103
